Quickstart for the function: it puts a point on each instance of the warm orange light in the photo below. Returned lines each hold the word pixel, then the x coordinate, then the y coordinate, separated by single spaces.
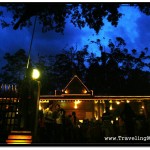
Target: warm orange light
pixel 18 141
pixel 81 121
pixel 16 137
pixel 75 106
pixel 104 111
pixel 128 101
pixel 112 121
pixel 26 132
pixel 7 106
pixel 96 117
pixel 142 106
pixel 110 108
pixel 85 91
pixel 96 101
pixel 117 118
pixel 117 102
pixel 44 101
pixel 66 91
pixel 40 108
pixel 21 137
pixel 76 103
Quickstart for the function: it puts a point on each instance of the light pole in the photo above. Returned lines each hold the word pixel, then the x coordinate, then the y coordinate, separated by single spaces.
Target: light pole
pixel 35 76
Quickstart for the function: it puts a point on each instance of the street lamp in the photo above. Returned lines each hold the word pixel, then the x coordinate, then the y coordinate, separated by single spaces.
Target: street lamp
pixel 35 76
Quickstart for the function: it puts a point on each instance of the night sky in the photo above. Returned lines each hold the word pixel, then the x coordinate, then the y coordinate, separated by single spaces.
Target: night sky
pixel 133 27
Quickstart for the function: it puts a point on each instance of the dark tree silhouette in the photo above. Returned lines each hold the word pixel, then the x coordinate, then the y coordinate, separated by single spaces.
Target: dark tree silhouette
pixel 45 66
pixel 118 72
pixel 53 16
pixel 15 68
pixel 62 70
pixel 80 59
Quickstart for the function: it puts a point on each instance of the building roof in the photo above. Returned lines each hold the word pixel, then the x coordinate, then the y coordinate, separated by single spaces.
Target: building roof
pixel 86 98
pixel 76 86
pixel 76 89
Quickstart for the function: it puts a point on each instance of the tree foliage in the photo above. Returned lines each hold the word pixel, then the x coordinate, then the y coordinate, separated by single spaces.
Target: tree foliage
pixel 52 16
pixel 119 69
pixel 15 68
pixel 116 71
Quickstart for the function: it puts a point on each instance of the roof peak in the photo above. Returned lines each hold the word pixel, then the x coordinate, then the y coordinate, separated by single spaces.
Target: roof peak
pixel 75 86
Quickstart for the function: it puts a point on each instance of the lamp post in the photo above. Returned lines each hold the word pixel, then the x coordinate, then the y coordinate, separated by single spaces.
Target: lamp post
pixel 36 96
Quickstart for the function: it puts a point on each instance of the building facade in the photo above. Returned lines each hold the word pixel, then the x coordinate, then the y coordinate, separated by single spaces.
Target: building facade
pixel 76 97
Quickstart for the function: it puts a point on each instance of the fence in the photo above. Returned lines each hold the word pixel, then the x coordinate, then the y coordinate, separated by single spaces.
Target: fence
pixel 9 108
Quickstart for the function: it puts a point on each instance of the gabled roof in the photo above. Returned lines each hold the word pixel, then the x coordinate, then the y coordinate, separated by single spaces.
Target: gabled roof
pixel 76 86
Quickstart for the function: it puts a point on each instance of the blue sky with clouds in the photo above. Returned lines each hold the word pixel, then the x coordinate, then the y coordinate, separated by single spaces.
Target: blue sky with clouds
pixel 133 27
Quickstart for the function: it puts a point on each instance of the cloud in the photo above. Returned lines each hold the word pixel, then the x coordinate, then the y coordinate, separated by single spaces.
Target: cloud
pixel 133 27
pixel 130 27
pixel 127 29
pixel 13 40
pixel 127 26
pixel 143 32
pixel 53 43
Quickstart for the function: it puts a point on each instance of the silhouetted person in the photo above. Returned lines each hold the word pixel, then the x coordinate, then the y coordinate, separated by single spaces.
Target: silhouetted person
pixel 49 123
pixel 41 126
pixel 68 129
pixel 106 115
pixel 128 117
pixel 74 129
pixel 106 123
pixel 74 118
pixel 58 116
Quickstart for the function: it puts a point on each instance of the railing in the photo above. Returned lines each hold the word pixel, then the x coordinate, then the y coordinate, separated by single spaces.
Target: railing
pixel 8 90
pixel 9 109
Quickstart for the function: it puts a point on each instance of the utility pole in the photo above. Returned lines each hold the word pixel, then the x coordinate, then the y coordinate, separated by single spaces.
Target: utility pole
pixel 25 101
pixel 29 53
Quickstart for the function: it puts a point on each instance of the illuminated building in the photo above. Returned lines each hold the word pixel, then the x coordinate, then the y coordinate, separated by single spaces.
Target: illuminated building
pixel 77 97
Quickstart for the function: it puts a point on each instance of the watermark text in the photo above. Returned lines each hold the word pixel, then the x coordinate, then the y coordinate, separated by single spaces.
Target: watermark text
pixel 126 138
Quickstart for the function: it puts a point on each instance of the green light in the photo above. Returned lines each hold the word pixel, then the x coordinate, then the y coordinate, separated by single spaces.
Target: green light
pixel 35 74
